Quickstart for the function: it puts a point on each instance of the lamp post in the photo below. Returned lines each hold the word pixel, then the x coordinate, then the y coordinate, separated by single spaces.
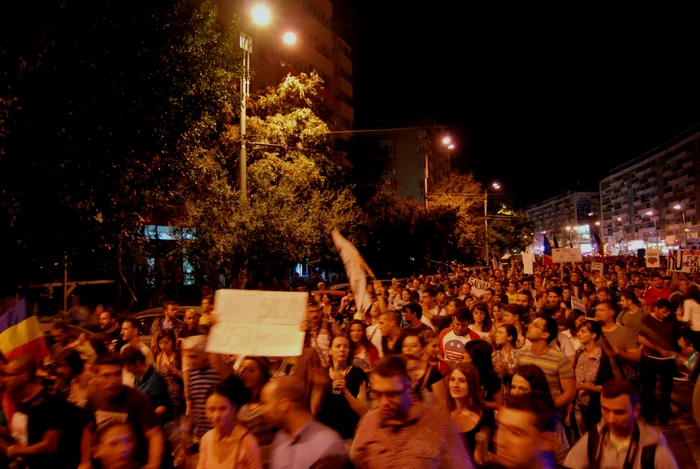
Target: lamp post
pixel 261 16
pixel 650 214
pixel 495 185
pixel 681 208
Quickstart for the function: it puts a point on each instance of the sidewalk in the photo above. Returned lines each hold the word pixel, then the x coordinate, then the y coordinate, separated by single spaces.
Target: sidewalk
pixel 682 433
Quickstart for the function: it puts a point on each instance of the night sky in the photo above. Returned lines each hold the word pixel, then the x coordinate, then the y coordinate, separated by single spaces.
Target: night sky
pixel 541 104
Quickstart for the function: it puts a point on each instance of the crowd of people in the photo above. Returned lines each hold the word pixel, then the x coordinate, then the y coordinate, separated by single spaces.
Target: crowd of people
pixel 434 374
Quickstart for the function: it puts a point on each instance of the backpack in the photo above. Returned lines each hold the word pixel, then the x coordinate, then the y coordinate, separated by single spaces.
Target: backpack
pixel 648 452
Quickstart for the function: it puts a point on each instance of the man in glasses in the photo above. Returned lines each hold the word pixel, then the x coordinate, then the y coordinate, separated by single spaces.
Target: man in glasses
pixel 402 433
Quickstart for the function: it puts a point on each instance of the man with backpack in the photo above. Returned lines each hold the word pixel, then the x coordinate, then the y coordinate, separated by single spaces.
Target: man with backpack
pixel 621 440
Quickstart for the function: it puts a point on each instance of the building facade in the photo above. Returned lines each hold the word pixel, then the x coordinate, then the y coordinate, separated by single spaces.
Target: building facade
pixel 571 217
pixel 318 48
pixel 411 151
pixel 651 201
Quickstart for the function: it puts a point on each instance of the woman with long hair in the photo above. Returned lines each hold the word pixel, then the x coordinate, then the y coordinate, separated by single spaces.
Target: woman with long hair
pixel 428 378
pixel 468 410
pixel 339 398
pixel 505 359
pixel 531 378
pixel 479 353
pixel 363 354
pixel 169 364
pixel 482 320
pixel 72 378
pixel 254 374
pixel 229 444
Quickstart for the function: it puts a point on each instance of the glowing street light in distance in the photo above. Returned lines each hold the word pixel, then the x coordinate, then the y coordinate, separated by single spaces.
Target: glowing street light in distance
pixel 261 15
pixel 289 38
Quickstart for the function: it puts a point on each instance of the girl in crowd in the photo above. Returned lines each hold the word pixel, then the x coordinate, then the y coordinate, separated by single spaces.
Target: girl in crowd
pixel 427 376
pixel 254 373
pixel 228 445
pixel 469 412
pixel 531 378
pixel 479 353
pixel 169 364
pixel 362 353
pixel 339 398
pixel 505 358
pixel 482 320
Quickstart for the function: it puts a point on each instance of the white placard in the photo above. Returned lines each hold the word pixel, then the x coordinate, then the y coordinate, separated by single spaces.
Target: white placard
pixel 577 303
pixel 258 323
pixel 652 258
pixel 564 255
pixel 528 261
pixel 599 266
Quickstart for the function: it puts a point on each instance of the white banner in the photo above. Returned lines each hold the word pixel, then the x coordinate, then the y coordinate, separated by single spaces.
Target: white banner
pixel 599 266
pixel 258 323
pixel 564 255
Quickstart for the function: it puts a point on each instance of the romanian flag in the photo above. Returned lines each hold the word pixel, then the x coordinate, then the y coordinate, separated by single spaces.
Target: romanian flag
pixel 547 252
pixel 20 333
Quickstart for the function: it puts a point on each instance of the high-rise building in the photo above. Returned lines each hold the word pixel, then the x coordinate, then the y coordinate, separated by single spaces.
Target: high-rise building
pixel 318 48
pixel 411 150
pixel 571 217
pixel 652 200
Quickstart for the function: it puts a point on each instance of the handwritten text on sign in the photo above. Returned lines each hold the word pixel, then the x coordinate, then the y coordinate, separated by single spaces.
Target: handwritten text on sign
pixel 258 323
pixel 683 260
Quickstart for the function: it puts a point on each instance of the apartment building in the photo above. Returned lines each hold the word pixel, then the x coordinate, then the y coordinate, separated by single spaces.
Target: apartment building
pixel 570 216
pixel 318 48
pixel 652 200
pixel 412 149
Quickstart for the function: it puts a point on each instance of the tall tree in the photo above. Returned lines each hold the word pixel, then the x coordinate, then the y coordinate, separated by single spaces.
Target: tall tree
pixel 110 102
pixel 291 206
pixel 463 194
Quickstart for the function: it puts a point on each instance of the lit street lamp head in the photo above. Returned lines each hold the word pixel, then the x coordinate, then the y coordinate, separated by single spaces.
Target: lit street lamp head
pixel 261 14
pixel 677 206
pixel 289 38
pixel 649 213
pixel 597 223
pixel 447 140
pixel 451 146
pixel 496 185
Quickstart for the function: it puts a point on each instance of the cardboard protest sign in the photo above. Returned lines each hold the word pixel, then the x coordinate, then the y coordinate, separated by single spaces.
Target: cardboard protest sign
pixel 564 255
pixel 652 258
pixel 258 323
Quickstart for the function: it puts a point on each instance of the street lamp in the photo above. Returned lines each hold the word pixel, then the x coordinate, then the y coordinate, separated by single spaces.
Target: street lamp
pixel 446 140
pixel 682 210
pixel 289 38
pixel 261 16
pixel 495 185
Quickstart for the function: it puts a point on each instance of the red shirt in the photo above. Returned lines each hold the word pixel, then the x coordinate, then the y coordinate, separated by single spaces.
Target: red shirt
pixel 654 294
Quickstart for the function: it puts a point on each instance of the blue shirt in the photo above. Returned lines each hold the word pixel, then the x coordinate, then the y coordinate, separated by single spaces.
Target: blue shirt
pixel 313 442
pixel 153 384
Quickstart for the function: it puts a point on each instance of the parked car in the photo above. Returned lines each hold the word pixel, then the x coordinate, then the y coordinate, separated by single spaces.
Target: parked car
pixel 147 317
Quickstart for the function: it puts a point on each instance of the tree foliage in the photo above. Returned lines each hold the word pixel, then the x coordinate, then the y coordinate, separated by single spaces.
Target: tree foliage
pixel 107 107
pixel 463 194
pixel 291 207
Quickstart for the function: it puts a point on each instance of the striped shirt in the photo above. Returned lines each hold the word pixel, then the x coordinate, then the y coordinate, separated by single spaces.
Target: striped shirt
pixel 555 365
pixel 199 383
